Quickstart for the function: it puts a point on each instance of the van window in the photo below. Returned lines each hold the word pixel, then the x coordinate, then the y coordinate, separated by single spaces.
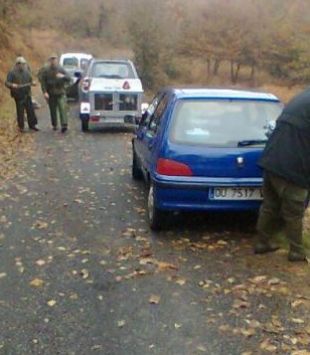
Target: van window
pixel 70 62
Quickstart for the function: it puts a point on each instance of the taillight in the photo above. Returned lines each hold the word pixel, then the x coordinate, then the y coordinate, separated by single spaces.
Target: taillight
pixel 86 84
pixel 95 118
pixel 126 85
pixel 172 168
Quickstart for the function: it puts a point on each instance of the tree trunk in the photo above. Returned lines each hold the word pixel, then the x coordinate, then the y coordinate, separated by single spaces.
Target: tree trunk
pixel 208 67
pixel 234 72
pixel 237 73
pixel 216 67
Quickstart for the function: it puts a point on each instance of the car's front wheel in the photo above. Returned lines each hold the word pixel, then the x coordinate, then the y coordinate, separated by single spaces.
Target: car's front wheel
pixel 156 216
pixel 84 125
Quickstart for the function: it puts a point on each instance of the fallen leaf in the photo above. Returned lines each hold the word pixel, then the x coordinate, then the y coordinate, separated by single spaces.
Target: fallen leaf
pixel 84 273
pixel 41 225
pixel 163 266
pixel 258 279
pixel 297 303
pixel 298 321
pixel 51 303
pixel 241 304
pixel 201 348
pixel 247 332
pixel 266 346
pixel 36 283
pixel 273 281
pixel 121 323
pixel 40 262
pixel 154 299
pixel 181 282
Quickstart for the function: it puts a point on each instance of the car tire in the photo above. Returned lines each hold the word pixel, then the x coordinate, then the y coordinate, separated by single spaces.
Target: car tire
pixel 157 217
pixel 84 125
pixel 136 171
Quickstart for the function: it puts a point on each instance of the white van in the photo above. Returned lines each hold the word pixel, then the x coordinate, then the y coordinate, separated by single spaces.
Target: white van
pixel 73 63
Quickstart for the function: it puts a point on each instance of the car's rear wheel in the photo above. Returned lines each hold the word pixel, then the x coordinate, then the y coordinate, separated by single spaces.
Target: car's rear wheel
pixel 84 125
pixel 136 170
pixel 156 216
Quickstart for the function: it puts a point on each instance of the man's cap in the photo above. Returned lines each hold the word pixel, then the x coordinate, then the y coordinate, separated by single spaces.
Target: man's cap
pixel 20 60
pixel 53 56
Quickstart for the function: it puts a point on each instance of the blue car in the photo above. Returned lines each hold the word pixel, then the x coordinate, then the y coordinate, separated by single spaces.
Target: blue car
pixel 197 149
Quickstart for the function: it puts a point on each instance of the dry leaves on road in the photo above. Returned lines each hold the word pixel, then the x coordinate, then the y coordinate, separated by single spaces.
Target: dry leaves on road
pixel 37 283
pixel 154 299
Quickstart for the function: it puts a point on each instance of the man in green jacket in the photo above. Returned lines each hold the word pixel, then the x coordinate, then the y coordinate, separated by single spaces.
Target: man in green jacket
pixel 19 81
pixel 54 80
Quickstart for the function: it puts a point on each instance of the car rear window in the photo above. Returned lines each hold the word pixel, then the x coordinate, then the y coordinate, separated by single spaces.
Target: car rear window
pixel 112 70
pixel 71 62
pixel 222 122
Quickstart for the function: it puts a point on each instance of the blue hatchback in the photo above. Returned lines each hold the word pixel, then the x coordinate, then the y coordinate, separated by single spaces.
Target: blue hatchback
pixel 198 150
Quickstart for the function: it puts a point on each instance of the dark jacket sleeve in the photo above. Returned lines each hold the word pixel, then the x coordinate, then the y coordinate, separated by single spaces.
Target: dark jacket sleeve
pixel 9 80
pixel 42 79
pixel 67 77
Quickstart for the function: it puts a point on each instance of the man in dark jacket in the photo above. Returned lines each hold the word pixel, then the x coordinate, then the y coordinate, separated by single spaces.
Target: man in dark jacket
pixel 19 81
pixel 53 80
pixel 286 164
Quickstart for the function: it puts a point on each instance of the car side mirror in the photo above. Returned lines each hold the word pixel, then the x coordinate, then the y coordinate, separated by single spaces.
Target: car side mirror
pixel 141 119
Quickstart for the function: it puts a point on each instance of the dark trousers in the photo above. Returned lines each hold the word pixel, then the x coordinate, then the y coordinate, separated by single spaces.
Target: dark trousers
pixel 22 105
pixel 57 105
pixel 283 208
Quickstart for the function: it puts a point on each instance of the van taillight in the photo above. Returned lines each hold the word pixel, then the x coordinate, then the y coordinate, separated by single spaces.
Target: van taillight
pixel 172 168
pixel 86 84
pixel 126 85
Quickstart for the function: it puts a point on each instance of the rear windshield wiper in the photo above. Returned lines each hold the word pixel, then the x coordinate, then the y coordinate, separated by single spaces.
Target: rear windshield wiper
pixel 249 142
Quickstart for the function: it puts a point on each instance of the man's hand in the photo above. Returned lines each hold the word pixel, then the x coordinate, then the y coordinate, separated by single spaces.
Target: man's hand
pixel 15 86
pixel 46 96
pixel 60 75
pixel 33 83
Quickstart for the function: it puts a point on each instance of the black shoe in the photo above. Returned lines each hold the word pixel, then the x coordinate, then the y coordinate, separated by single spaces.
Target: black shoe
pixel 263 248
pixel 296 256
pixel 55 128
pixel 34 129
pixel 64 129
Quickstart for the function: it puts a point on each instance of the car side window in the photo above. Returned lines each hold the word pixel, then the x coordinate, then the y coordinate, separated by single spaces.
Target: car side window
pixel 157 115
pixel 149 112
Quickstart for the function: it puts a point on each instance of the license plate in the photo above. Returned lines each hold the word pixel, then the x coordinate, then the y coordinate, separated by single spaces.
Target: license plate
pixel 112 120
pixel 236 193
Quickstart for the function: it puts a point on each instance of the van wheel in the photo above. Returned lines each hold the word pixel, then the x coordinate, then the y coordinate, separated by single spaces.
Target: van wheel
pixel 156 216
pixel 84 125
pixel 136 171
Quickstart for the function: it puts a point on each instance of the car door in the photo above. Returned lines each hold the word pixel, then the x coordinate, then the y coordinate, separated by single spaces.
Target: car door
pixel 151 136
pixel 138 141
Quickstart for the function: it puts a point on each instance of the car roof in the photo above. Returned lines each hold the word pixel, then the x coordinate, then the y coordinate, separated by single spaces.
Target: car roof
pixel 96 60
pixel 78 55
pixel 210 93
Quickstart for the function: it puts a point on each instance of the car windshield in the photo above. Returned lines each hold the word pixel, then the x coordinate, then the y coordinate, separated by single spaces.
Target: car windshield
pixel 223 123
pixel 112 70
pixel 71 62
